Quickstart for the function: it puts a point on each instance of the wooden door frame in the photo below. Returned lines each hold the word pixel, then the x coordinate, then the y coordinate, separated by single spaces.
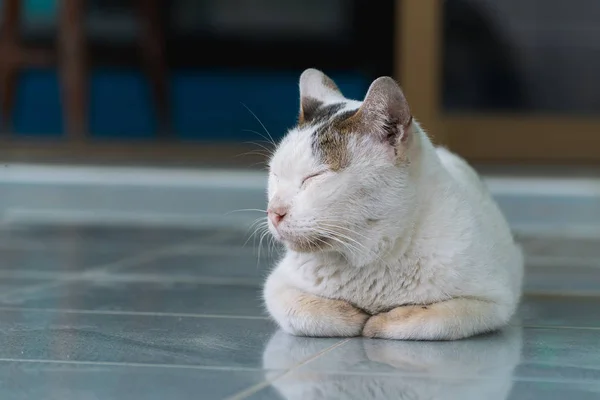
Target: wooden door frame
pixel 487 138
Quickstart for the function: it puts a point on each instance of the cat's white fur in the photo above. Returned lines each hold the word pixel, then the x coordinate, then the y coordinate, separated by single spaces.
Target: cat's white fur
pixel 421 251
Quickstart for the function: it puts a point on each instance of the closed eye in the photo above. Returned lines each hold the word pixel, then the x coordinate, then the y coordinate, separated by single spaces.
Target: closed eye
pixel 309 177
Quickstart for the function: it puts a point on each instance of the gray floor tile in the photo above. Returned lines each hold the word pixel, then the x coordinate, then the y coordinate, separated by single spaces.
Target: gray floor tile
pixel 557 373
pixel 562 347
pixel 110 238
pixel 560 311
pixel 554 391
pixel 10 284
pixel 214 342
pixel 31 261
pixel 560 246
pixel 157 296
pixel 59 381
pixel 306 385
pixel 110 335
pixel 564 278
pixel 568 354
pixel 231 264
pixel 8 241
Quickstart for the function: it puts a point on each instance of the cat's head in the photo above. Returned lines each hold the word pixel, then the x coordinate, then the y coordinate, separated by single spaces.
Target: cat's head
pixel 340 180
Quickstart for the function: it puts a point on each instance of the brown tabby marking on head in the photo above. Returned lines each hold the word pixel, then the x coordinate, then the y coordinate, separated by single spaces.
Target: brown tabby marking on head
pixel 308 109
pixel 314 112
pixel 330 141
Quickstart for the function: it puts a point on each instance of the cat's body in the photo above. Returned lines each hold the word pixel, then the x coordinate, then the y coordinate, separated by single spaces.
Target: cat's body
pixel 396 239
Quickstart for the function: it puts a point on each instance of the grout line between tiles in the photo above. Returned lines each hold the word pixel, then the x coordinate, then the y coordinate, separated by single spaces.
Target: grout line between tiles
pixel 196 279
pixel 95 271
pixel 593 328
pixel 545 295
pixel 129 364
pixel 186 249
pixel 189 249
pixel 259 386
pixel 283 372
pixel 219 247
pixel 220 316
pixel 135 278
pixel 132 313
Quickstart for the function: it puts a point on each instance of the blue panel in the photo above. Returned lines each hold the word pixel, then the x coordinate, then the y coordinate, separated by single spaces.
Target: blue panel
pixel 210 106
pixel 36 10
pixel 40 9
pixel 205 105
pixel 121 105
pixel 37 106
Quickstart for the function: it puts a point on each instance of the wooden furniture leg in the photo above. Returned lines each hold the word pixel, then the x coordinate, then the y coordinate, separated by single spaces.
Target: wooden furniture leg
pixel 152 47
pixel 72 65
pixel 9 60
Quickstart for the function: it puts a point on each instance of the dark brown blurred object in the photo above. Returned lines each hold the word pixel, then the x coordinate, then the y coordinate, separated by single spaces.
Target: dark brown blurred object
pixel 72 61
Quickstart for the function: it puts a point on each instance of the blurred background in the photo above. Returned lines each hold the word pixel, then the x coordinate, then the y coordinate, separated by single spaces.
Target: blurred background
pixel 133 140
pixel 209 86
pixel 171 81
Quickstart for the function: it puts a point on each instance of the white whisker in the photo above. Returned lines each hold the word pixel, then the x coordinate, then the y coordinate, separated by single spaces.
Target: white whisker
pixel 245 210
pixel 365 250
pixel 259 143
pixel 345 245
pixel 325 223
pixel 261 124
pixel 262 236
pixel 258 224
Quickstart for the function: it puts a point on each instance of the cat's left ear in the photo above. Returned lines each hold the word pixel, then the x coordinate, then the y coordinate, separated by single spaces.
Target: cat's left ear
pixel 385 112
pixel 316 89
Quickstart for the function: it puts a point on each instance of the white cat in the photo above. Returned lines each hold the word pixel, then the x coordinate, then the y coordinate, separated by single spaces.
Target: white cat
pixel 386 236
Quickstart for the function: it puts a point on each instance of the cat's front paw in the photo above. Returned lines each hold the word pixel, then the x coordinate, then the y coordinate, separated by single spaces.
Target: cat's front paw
pixel 386 325
pixel 374 326
pixel 320 317
pixel 345 320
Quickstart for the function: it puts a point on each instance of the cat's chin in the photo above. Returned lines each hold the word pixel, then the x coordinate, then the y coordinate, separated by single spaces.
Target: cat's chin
pixel 306 245
pixel 314 243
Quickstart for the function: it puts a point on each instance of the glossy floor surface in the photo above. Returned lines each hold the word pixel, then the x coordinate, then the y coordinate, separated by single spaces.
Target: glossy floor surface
pixel 130 313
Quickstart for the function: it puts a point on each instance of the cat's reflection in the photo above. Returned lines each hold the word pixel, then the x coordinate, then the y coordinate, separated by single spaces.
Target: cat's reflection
pixel 477 368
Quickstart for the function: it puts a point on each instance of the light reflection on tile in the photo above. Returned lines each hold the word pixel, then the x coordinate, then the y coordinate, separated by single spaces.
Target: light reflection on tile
pixel 513 364
pixel 306 385
pixel 491 355
pixel 59 381
pixel 549 354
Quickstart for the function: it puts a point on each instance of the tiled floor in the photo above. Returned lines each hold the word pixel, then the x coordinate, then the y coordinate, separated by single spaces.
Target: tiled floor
pixel 100 313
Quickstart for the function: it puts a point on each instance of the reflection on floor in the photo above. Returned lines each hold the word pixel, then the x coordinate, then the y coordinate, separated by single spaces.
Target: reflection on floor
pixel 126 313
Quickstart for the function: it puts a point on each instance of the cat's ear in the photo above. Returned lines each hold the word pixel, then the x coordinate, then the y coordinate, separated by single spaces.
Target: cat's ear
pixel 385 110
pixel 316 88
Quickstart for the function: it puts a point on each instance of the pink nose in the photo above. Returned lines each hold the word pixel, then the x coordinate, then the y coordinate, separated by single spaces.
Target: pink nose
pixel 276 215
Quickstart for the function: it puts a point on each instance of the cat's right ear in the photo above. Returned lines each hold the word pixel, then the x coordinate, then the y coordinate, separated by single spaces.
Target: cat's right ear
pixel 316 88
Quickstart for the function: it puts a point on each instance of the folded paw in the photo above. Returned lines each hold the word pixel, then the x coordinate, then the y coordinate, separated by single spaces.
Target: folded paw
pixel 387 325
